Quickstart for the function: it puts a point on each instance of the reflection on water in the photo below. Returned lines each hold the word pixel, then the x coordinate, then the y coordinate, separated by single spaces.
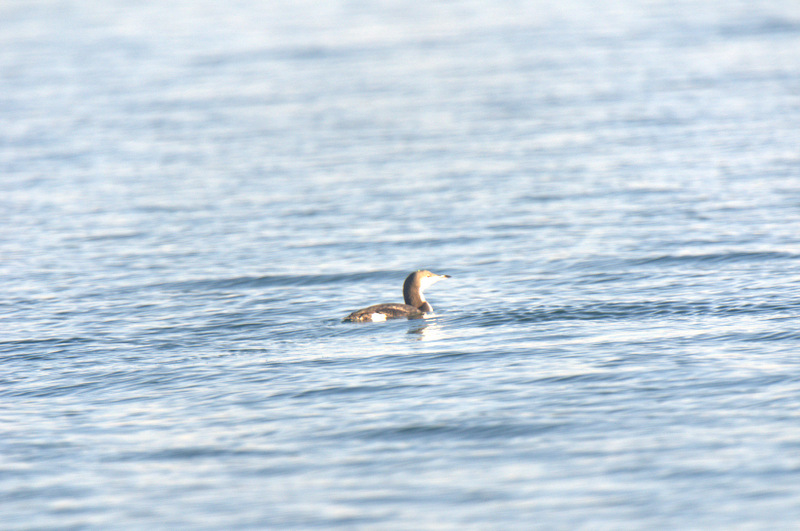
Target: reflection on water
pixel 428 328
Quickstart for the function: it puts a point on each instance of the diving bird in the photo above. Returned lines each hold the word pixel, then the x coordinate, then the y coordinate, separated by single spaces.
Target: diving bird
pixel 415 306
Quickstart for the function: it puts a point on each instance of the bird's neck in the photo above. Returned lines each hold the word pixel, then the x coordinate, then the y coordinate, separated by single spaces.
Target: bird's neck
pixel 414 296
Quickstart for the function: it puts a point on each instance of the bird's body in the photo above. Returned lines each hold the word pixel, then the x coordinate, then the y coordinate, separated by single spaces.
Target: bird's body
pixel 381 312
pixel 415 304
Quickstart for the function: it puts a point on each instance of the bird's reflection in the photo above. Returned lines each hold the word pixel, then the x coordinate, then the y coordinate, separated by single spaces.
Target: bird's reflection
pixel 426 330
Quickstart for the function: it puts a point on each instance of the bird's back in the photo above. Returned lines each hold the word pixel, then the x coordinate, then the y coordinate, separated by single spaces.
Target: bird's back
pixel 381 312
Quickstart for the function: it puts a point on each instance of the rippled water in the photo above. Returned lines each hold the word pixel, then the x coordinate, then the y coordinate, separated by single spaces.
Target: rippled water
pixel 194 194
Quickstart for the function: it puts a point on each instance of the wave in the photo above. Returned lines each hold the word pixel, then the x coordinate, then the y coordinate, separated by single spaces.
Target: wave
pixel 39 348
pixel 626 310
pixel 715 258
pixel 487 431
pixel 275 281
pixel 772 25
pixel 624 265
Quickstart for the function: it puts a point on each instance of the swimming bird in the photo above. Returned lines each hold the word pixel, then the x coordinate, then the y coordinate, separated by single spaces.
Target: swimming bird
pixel 415 306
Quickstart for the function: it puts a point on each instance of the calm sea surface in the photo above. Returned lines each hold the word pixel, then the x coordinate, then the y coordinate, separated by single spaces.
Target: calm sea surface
pixel 193 194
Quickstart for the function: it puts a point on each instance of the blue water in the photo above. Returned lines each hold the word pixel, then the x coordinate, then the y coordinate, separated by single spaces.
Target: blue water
pixel 194 194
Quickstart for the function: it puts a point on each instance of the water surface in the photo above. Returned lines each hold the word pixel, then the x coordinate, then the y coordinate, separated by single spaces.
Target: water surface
pixel 194 195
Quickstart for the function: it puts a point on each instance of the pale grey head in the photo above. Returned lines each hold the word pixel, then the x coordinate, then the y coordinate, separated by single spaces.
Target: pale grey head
pixel 414 285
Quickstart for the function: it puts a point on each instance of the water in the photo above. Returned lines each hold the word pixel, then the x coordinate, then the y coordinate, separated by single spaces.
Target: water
pixel 195 194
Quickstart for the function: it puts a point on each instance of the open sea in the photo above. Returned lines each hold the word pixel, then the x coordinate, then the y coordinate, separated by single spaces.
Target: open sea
pixel 194 194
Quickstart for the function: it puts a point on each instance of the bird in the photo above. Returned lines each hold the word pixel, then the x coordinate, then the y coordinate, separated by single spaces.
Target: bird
pixel 415 304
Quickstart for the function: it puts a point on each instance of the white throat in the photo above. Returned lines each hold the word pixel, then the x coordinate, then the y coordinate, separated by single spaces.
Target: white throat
pixel 426 282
